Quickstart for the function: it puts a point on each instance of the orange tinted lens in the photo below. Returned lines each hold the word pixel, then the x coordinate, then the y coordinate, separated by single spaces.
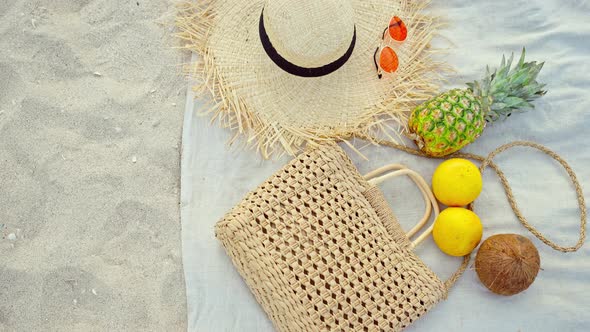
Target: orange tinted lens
pixel 397 29
pixel 388 60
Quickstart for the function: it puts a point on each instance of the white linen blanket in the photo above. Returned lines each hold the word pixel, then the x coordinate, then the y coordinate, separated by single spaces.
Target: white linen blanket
pixel 215 178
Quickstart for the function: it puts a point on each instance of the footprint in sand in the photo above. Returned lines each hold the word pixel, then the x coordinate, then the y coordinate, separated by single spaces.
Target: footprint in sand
pixel 64 6
pixel 69 290
pixel 134 216
pixel 10 83
pixel 18 289
pixel 5 6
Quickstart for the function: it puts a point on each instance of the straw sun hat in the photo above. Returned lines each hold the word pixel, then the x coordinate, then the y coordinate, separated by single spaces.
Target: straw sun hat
pixel 284 73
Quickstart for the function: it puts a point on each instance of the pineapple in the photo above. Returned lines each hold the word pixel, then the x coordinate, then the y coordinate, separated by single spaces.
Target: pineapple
pixel 453 119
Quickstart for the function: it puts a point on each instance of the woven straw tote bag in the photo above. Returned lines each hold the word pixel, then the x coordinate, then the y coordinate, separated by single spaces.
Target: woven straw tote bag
pixel 321 250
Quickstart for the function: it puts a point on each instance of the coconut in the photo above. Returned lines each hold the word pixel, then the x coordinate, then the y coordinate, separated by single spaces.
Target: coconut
pixel 507 264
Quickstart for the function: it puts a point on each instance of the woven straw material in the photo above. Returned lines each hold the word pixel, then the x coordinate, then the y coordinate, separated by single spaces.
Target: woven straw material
pixel 278 112
pixel 314 41
pixel 321 250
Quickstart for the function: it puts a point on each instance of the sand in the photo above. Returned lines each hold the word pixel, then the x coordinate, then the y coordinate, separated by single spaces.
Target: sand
pixel 91 103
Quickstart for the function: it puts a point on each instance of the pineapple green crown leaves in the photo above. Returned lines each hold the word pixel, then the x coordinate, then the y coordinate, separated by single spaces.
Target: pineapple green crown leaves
pixel 508 89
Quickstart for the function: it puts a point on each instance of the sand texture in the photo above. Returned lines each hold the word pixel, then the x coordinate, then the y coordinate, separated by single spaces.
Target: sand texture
pixel 90 124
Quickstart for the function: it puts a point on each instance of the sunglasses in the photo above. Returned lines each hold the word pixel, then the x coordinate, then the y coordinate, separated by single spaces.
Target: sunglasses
pixel 388 60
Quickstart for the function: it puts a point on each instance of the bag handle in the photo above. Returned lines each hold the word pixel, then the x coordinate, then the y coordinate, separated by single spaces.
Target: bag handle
pixel 394 170
pixel 375 177
pixel 487 161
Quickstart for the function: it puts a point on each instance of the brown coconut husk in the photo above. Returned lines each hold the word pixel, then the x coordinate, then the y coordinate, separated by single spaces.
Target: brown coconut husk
pixel 507 264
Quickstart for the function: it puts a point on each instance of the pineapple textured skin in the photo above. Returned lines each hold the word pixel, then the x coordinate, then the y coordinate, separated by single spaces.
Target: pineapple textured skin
pixel 447 122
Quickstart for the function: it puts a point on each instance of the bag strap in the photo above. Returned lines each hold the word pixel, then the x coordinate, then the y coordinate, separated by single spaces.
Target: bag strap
pixel 508 190
pixel 487 161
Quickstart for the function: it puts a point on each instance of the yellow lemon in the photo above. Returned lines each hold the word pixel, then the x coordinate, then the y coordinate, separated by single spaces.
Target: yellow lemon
pixel 457 231
pixel 456 182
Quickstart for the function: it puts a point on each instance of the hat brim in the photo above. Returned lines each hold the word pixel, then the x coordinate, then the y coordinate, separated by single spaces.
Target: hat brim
pixel 277 109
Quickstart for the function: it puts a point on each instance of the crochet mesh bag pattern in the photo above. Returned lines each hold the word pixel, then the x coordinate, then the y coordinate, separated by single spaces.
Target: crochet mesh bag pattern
pixel 321 250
